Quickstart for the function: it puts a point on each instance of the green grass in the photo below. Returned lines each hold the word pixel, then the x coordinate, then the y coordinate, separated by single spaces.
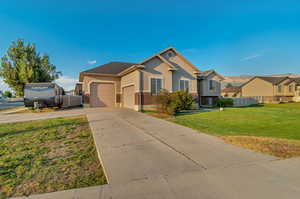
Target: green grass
pixel 47 155
pixel 275 121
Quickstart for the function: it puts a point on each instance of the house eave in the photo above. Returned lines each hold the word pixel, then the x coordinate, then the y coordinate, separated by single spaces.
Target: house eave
pixel 82 74
pixel 131 69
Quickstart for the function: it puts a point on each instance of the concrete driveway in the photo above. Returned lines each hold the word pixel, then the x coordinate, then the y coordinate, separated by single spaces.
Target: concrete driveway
pixel 179 162
pixel 146 157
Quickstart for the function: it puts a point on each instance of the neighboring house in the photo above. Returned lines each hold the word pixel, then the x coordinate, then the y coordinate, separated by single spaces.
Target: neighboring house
pixel 135 85
pixel 70 92
pixel 231 92
pixel 269 89
pixel 78 89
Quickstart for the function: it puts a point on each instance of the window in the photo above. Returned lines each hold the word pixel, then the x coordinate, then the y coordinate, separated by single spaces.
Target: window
pixel 184 85
pixel 211 85
pixel 291 88
pixel 156 85
pixel 279 89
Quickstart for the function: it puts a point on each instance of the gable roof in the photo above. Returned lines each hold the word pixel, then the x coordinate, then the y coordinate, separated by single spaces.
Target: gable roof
pixel 159 55
pixel 271 79
pixel 207 73
pixel 297 80
pixel 192 65
pixel 121 68
pixel 110 68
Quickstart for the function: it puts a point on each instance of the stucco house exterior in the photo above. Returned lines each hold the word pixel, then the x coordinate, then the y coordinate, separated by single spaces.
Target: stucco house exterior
pixel 268 89
pixel 135 85
pixel 209 87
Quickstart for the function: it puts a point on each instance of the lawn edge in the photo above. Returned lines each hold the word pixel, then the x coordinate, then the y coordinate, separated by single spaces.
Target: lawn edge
pixel 223 140
pixel 98 152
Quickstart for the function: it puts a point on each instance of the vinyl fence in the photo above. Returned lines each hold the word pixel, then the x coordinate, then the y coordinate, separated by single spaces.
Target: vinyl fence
pixel 243 101
pixel 296 99
pixel 71 101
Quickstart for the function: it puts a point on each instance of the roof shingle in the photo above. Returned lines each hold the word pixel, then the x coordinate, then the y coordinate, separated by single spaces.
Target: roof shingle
pixel 297 80
pixel 110 68
pixel 273 80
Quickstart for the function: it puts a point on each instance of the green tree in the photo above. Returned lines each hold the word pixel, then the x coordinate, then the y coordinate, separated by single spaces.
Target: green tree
pixel 229 85
pixel 22 64
pixel 7 94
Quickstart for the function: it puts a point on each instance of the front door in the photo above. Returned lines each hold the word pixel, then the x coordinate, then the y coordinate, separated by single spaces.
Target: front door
pixel 128 97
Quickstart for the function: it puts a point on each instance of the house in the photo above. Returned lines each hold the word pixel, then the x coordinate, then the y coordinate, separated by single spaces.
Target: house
pixel 231 92
pixel 78 89
pixel 209 87
pixel 135 85
pixel 269 89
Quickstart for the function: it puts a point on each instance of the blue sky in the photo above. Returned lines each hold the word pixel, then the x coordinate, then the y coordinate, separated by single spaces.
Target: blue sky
pixel 231 36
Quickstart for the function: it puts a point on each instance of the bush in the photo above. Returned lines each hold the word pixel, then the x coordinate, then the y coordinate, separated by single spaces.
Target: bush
pixel 7 94
pixel 172 103
pixel 163 101
pixel 181 100
pixel 225 102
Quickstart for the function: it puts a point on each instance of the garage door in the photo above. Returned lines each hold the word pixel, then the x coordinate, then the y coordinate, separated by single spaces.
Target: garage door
pixel 102 95
pixel 128 97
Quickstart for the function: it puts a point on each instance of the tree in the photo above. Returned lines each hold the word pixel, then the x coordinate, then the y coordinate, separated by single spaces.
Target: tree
pixel 229 85
pixel 22 64
pixel 7 94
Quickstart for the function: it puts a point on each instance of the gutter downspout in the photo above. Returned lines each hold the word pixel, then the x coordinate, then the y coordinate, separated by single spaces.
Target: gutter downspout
pixel 141 90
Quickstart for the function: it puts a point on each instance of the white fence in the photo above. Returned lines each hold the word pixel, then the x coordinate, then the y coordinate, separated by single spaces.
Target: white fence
pixel 71 101
pixel 296 99
pixel 16 99
pixel 243 101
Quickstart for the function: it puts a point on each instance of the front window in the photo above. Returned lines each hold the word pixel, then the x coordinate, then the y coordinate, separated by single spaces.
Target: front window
pixel 279 89
pixel 184 85
pixel 291 89
pixel 211 85
pixel 156 85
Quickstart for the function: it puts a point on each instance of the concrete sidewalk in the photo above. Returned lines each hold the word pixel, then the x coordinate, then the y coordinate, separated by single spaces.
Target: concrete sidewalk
pixel 24 117
pixel 145 157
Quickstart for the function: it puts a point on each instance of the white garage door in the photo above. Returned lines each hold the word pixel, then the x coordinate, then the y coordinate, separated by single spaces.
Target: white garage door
pixel 128 97
pixel 102 95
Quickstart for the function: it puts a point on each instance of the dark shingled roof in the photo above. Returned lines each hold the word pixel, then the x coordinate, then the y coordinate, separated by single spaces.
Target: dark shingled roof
pixel 273 80
pixel 206 73
pixel 297 80
pixel 110 68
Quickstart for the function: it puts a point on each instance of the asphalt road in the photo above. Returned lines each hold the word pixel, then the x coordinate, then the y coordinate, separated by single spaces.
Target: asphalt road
pixel 11 105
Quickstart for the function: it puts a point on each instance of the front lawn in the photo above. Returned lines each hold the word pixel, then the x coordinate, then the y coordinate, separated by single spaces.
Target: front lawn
pixel 272 129
pixel 46 156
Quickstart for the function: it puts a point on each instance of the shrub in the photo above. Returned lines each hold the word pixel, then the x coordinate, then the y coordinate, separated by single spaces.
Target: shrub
pixel 225 102
pixel 181 100
pixel 172 103
pixel 7 94
pixel 163 101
